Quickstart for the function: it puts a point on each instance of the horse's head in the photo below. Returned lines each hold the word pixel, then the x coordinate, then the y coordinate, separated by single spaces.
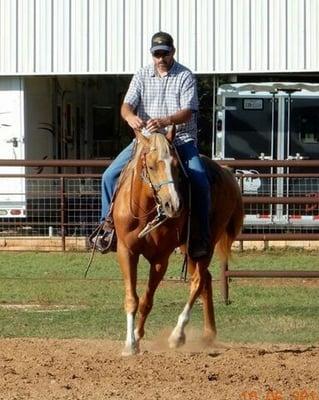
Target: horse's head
pixel 161 167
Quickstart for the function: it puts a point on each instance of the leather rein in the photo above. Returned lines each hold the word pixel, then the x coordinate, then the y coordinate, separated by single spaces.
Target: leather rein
pixel 156 187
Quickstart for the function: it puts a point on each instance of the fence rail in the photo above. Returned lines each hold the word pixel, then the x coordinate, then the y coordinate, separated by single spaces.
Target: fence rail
pixel 60 203
pixel 284 207
pixel 285 203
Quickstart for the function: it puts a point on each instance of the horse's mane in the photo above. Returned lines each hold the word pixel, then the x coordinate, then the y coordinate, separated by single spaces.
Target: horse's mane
pixel 135 156
pixel 159 141
pixel 155 140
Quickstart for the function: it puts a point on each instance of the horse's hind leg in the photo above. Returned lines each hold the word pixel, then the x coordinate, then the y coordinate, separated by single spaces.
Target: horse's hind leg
pixel 157 272
pixel 208 305
pixel 199 282
pixel 128 263
pixel 208 309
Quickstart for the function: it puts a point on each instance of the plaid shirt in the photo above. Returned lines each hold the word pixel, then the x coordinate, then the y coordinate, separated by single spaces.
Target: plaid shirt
pixel 152 96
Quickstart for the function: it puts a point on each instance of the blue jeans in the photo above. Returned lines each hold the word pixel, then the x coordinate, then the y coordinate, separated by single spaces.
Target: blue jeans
pixel 110 178
pixel 200 188
pixel 195 169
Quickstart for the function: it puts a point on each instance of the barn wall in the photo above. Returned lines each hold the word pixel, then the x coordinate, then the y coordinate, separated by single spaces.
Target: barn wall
pixel 113 36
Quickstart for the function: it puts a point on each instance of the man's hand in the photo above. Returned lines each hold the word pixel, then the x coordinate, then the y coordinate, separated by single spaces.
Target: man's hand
pixel 154 124
pixel 135 122
pixel 131 118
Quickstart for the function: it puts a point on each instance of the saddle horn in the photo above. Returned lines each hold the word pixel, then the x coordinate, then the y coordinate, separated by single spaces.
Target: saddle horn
pixel 140 137
pixel 171 132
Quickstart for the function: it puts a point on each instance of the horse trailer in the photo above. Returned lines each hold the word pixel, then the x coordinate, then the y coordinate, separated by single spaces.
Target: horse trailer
pixel 12 189
pixel 271 121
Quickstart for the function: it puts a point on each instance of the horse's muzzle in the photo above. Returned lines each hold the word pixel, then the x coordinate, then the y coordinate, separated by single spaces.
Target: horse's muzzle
pixel 172 208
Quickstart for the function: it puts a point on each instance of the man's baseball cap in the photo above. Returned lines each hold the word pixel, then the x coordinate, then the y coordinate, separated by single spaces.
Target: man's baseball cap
pixel 162 41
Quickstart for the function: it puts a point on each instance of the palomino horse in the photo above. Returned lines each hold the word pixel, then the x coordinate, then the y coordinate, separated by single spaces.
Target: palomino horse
pixel 151 179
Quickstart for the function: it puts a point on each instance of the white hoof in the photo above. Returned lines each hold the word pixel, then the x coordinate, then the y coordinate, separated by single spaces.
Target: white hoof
pixel 130 350
pixel 175 341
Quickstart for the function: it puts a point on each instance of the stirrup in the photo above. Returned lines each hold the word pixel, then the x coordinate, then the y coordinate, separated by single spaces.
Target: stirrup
pixel 108 224
pixel 157 221
pixel 106 231
pixel 109 239
pixel 96 232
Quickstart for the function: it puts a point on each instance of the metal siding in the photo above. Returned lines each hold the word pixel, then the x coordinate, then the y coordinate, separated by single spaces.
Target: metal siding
pixel 312 35
pixel 187 43
pixel 151 24
pixel 113 36
pixel 205 46
pixel 170 18
pixel 259 35
pixel 277 35
pixel 97 37
pixel 223 34
pixel 26 52
pixel 79 36
pixel 8 37
pixel 61 36
pixel 296 31
pixel 171 14
pixel 241 35
pixel 133 35
pixel 43 36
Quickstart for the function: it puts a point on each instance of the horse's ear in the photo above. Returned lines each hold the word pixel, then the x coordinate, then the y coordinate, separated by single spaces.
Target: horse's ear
pixel 171 132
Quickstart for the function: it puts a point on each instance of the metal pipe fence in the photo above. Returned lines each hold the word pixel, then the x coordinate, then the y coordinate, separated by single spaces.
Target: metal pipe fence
pixel 281 201
pixel 66 202
pixel 55 204
pixel 51 209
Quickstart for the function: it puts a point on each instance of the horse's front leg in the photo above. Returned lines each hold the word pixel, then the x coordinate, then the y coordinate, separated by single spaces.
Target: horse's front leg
pixel 128 263
pixel 157 272
pixel 198 278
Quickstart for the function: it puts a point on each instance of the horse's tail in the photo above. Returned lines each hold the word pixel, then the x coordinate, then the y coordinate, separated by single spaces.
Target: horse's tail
pixel 223 247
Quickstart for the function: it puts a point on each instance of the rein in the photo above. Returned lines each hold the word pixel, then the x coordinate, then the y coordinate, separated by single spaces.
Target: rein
pixel 159 217
pixel 145 176
pixel 146 214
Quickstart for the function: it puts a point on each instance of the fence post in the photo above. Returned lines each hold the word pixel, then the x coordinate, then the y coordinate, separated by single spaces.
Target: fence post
pixel 241 246
pixel 241 242
pixel 62 198
pixel 224 282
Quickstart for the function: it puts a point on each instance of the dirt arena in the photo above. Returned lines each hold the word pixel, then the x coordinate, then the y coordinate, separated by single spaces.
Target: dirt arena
pixel 94 369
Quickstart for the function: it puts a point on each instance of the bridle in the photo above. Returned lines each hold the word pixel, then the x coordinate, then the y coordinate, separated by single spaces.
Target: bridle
pixel 155 186
pixel 146 177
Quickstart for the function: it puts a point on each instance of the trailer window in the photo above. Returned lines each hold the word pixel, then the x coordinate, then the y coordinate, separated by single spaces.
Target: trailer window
pixel 309 137
pixel 253 104
pixel 305 121
pixel 308 129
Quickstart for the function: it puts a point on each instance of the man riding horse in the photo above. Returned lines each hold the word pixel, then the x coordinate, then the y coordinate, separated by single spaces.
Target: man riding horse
pixel 161 94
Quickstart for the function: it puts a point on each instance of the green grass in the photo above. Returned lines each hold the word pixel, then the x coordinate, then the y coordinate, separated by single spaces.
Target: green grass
pixel 272 259
pixel 93 307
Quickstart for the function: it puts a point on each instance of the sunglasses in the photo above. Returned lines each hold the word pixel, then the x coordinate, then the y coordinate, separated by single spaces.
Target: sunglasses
pixel 159 54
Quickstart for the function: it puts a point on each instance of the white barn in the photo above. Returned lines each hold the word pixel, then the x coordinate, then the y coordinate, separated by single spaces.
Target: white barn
pixel 61 37
pixel 69 61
